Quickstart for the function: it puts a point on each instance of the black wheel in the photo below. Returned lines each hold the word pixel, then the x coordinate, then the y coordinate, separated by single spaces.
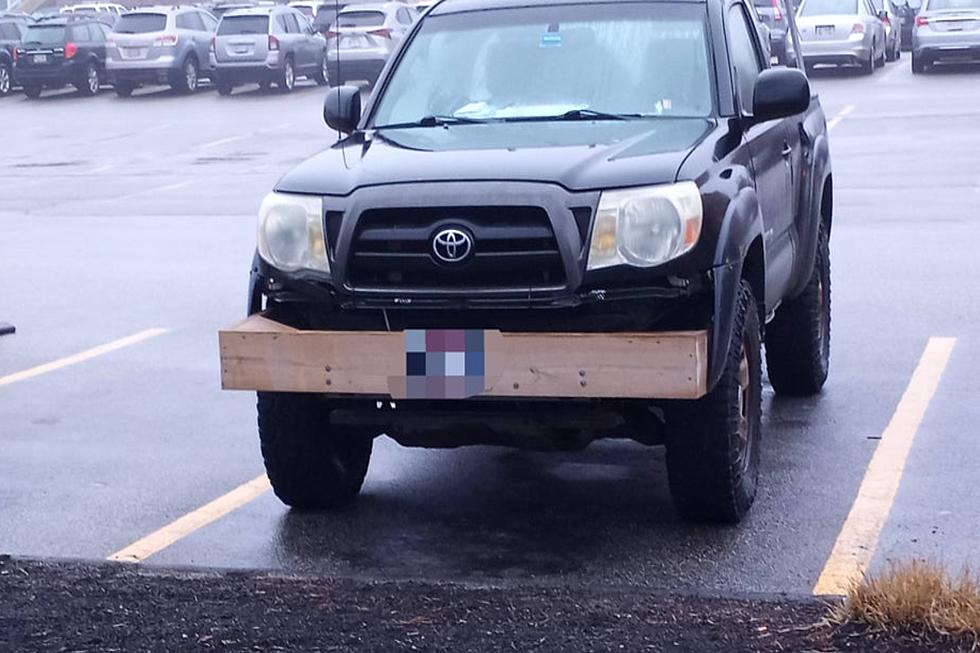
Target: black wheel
pixel 310 463
pixel 892 55
pixel 5 77
pixel 322 76
pixel 186 80
pixel 713 443
pixel 880 62
pixel 90 81
pixel 124 89
pixel 265 86
pixel 868 67
pixel 287 77
pixel 798 337
pixel 32 91
pixel 224 88
pixel 918 65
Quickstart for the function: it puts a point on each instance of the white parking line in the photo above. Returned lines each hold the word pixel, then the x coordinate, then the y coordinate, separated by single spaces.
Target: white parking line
pixel 95 171
pixel 843 113
pixel 225 141
pixel 159 189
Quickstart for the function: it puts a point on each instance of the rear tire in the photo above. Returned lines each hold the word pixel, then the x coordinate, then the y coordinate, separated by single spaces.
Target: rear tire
pixel 798 337
pixel 868 67
pixel 33 92
pixel 124 89
pixel 187 78
pixel 310 463
pixel 713 443
pixel 287 78
pixel 89 84
pixel 880 62
pixel 225 88
pixel 6 79
pixel 918 65
pixel 892 55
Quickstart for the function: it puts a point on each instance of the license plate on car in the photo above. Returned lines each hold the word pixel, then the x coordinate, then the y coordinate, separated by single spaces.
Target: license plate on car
pixel 824 31
pixel 40 58
pixel 443 364
pixel 241 50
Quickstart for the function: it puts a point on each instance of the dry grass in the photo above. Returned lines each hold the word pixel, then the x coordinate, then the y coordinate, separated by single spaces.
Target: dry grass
pixel 918 596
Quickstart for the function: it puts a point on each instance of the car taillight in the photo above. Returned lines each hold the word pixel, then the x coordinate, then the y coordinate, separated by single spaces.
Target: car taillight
pixel 166 40
pixel 384 32
pixel 921 20
pixel 330 34
pixel 16 54
pixel 777 13
pixel 273 43
pixel 70 50
pixel 858 28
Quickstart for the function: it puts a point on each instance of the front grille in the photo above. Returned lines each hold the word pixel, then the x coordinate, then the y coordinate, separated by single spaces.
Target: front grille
pixel 513 247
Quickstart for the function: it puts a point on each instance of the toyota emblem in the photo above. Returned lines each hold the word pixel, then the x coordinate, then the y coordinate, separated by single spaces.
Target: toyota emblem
pixel 452 245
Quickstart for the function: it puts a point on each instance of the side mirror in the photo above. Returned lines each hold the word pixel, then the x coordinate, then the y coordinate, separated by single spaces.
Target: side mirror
pixel 780 93
pixel 342 108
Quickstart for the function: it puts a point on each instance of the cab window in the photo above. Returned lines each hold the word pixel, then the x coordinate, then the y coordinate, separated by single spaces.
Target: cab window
pixel 744 55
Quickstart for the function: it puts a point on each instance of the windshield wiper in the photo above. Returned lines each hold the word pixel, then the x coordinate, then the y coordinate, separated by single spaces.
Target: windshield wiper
pixel 577 114
pixel 433 121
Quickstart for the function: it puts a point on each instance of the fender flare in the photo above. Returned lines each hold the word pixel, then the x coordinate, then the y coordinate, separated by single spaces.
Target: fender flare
pixel 741 230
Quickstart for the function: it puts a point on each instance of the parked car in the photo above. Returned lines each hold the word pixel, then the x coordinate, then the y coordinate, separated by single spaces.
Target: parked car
pixel 946 31
pixel 109 10
pixel 512 246
pixel 892 21
pixel 306 7
pixel 160 45
pixel 60 51
pixel 363 37
pixel 221 8
pixel 267 45
pixel 773 15
pixel 842 32
pixel 12 29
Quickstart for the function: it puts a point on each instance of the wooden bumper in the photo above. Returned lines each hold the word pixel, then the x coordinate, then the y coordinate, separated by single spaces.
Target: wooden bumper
pixel 261 354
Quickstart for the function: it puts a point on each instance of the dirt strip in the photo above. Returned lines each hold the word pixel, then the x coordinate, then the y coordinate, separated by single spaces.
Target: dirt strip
pixel 75 606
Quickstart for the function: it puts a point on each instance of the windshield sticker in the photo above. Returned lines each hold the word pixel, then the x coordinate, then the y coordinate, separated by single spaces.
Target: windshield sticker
pixel 551 40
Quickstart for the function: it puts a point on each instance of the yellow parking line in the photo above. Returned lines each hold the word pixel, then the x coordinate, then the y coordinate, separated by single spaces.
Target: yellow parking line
pixel 858 538
pixel 81 356
pixel 843 113
pixel 192 521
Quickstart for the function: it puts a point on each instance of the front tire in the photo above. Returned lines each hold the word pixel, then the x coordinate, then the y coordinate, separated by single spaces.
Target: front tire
pixel 33 92
pixel 5 79
pixel 310 463
pixel 798 337
pixel 713 443
pixel 322 76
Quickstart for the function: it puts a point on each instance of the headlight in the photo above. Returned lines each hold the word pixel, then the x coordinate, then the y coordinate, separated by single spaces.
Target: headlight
pixel 290 234
pixel 645 227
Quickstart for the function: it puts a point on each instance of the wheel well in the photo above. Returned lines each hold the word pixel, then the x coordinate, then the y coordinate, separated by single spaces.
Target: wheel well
pixel 827 204
pixel 754 271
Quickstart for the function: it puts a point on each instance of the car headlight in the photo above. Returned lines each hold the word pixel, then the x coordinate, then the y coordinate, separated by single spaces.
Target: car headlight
pixel 290 234
pixel 645 227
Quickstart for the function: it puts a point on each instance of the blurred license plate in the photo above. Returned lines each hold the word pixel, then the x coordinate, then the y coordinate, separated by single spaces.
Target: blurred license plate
pixel 133 53
pixel 40 58
pixel 825 31
pixel 354 42
pixel 241 50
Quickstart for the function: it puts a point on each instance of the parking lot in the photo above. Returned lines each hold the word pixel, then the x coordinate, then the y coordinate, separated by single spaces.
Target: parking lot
pixel 127 233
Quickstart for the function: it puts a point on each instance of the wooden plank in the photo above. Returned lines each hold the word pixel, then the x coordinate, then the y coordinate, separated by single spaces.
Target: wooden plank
pixel 260 354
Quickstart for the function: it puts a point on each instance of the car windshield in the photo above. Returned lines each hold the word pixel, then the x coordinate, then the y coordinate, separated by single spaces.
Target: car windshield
pixel 360 19
pixel 45 35
pixel 141 23
pixel 828 7
pixel 567 61
pixel 234 25
pixel 944 5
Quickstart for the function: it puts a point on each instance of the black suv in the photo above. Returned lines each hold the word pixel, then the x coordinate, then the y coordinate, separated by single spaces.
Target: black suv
pixel 12 30
pixel 59 51
pixel 553 221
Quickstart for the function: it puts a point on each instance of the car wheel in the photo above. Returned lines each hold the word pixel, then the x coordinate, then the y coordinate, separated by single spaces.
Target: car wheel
pixel 310 462
pixel 225 88
pixel 798 337
pixel 322 76
pixel 90 81
pixel 892 54
pixel 186 81
pixel 124 89
pixel 918 65
pixel 868 67
pixel 287 78
pixel 713 443
pixel 5 82
pixel 32 91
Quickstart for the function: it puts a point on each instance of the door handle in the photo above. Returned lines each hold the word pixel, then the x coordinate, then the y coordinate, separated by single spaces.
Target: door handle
pixel 787 149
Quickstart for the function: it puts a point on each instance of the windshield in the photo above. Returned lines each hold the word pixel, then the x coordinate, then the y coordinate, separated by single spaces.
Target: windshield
pixel 828 7
pixel 360 19
pixel 140 23
pixel 633 59
pixel 235 25
pixel 943 5
pixel 45 35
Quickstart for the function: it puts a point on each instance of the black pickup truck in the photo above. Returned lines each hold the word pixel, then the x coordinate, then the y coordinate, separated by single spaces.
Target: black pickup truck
pixel 553 221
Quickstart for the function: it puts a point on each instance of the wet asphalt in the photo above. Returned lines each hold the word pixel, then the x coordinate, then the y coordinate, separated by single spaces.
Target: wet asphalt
pixel 118 216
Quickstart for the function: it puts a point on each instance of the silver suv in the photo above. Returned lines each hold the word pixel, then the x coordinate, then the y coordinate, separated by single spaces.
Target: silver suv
pixel 160 45
pixel 267 45
pixel 363 37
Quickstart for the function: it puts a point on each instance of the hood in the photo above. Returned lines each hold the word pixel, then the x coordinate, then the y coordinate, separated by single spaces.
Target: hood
pixel 578 155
